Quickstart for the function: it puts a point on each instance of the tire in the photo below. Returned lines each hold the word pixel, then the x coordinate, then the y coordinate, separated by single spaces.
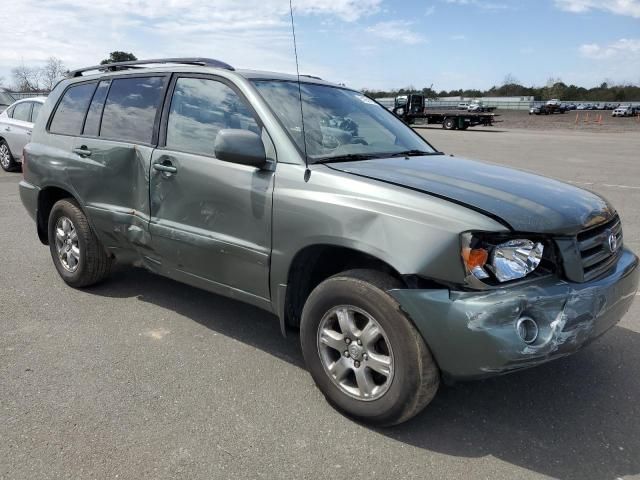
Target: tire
pixel 412 378
pixel 7 161
pixel 85 261
pixel 449 124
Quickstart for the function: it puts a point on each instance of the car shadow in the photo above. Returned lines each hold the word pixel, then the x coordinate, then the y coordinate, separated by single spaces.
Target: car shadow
pixel 575 418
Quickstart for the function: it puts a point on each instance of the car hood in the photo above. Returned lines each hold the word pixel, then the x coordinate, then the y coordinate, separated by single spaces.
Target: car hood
pixel 523 201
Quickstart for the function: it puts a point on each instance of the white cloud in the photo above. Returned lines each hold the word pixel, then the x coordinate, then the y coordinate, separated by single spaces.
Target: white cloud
pixel 397 31
pixel 629 8
pixel 628 48
pixel 247 33
pixel 431 9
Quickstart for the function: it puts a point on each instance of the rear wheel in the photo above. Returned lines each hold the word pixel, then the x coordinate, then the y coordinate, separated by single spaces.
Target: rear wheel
pixel 449 124
pixel 77 253
pixel 363 352
pixel 7 162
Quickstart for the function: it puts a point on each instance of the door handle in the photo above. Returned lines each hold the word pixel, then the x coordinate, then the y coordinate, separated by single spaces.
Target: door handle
pixel 161 167
pixel 82 151
pixel 7 129
pixel 28 132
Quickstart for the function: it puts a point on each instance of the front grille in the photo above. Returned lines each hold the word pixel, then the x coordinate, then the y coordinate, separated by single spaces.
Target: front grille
pixel 594 246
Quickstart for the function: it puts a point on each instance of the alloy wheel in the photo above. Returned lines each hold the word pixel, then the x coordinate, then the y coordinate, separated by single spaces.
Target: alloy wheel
pixel 5 156
pixel 67 244
pixel 355 352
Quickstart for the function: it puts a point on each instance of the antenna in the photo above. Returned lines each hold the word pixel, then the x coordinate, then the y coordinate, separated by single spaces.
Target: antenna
pixel 295 50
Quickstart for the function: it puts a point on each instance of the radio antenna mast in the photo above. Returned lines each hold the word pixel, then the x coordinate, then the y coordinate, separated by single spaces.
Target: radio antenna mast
pixel 295 51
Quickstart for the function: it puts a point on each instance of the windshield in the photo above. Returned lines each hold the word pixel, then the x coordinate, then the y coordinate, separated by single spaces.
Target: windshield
pixel 338 122
pixel 6 98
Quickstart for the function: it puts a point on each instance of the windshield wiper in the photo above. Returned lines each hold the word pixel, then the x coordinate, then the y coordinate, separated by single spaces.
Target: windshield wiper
pixel 349 157
pixel 412 153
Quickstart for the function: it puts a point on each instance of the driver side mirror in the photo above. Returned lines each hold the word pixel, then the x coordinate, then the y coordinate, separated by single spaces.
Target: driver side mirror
pixel 240 146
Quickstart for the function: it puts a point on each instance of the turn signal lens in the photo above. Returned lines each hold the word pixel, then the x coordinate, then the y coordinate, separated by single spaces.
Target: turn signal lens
pixel 474 260
pixel 476 257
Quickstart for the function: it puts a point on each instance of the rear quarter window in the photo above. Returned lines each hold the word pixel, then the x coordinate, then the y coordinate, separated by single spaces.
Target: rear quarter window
pixel 92 123
pixel 131 107
pixel 69 115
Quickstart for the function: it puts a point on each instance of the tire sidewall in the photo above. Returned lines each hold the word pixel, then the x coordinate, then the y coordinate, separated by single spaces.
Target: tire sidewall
pixel 66 209
pixel 406 379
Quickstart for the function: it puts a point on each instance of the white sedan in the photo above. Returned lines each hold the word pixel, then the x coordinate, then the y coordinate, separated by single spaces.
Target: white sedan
pixel 16 124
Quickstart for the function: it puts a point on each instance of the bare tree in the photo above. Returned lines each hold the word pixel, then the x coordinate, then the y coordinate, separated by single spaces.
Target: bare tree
pixel 551 81
pixel 510 79
pixel 52 72
pixel 34 79
pixel 26 79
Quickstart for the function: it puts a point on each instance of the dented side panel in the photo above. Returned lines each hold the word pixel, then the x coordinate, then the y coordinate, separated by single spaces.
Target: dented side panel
pixel 113 185
pixel 412 232
pixel 473 334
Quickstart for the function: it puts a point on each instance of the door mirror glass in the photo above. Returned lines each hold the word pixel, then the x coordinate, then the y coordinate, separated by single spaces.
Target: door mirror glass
pixel 240 146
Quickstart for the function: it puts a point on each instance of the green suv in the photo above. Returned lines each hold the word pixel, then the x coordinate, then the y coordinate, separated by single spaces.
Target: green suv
pixel 401 266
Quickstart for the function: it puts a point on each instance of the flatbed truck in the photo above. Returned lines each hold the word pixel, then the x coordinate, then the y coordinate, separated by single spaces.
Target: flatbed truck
pixel 412 110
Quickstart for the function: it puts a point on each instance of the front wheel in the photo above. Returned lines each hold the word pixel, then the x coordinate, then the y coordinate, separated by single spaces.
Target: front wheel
pixel 363 352
pixel 77 253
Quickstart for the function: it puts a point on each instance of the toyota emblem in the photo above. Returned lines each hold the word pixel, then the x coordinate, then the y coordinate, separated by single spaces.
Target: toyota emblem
pixel 613 242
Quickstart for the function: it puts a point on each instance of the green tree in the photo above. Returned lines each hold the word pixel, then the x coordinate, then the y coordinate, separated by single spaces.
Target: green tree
pixel 115 57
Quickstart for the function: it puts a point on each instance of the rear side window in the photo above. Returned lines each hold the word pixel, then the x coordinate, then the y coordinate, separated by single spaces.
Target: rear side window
pixel 130 110
pixel 200 108
pixel 22 111
pixel 35 111
pixel 70 113
pixel 92 123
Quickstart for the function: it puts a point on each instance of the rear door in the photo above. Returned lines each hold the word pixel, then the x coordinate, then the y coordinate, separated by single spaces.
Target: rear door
pixel 17 129
pixel 114 150
pixel 210 219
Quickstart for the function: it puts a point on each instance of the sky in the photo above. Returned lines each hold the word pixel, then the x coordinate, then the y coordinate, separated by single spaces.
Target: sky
pixel 376 44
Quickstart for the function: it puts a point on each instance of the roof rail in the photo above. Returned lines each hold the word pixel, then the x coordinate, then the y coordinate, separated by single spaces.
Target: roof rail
pixel 112 67
pixel 310 76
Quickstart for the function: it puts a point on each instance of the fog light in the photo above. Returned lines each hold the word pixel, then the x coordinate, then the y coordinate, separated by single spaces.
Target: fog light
pixel 527 329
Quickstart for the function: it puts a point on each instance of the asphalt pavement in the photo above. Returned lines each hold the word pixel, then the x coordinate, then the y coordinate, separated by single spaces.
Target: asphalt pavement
pixel 142 377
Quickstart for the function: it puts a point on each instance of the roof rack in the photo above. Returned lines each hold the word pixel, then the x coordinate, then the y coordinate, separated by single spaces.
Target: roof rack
pixel 112 67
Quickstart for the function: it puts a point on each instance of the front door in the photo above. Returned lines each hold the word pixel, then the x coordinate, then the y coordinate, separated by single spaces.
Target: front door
pixel 210 219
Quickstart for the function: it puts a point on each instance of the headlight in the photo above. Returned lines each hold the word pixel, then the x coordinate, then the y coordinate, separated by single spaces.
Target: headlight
pixel 516 259
pixel 506 260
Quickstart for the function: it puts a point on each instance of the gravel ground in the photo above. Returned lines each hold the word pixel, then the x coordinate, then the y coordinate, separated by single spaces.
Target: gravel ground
pixel 142 377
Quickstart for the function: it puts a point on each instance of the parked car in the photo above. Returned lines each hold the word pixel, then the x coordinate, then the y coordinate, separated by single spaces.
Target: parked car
pixel 463 106
pixel 554 102
pixel 6 99
pixel 16 124
pixel 478 106
pixel 540 109
pixel 623 111
pixel 401 266
pixel 571 106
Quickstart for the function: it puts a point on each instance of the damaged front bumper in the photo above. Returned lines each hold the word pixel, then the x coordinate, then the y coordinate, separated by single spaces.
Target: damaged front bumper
pixel 474 334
